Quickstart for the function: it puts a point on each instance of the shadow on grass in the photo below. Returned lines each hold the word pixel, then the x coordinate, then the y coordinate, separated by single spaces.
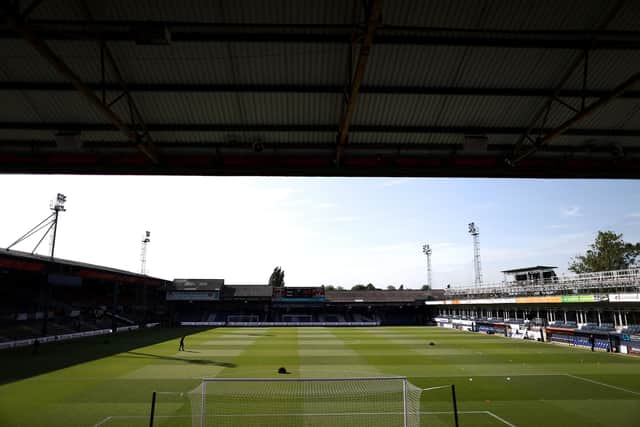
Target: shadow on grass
pixel 137 355
pixel 21 363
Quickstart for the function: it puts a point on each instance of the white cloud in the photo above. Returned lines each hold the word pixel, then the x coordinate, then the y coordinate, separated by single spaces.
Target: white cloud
pixel 571 211
pixel 338 219
pixel 327 205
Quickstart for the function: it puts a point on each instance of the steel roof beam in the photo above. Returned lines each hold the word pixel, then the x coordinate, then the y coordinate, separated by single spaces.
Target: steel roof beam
pixel 319 165
pixel 552 134
pixel 327 128
pixel 63 69
pixel 342 138
pixel 391 147
pixel 334 34
pixel 322 89
pixel 582 58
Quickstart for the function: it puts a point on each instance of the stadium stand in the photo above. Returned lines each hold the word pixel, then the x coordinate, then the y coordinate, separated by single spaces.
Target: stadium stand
pixel 45 297
pixel 572 309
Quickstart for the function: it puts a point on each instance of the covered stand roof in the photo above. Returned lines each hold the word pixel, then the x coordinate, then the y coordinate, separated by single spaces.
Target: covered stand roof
pixel 380 88
pixel 34 263
pixel 525 269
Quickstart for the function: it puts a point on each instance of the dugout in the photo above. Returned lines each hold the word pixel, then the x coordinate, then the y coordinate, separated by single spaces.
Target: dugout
pixel 630 345
pixel 490 327
pixel 600 339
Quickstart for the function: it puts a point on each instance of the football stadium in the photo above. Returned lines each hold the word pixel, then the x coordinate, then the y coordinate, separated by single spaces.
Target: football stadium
pixel 336 89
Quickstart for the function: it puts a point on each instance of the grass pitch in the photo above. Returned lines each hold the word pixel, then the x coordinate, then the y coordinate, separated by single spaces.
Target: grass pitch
pixel 499 382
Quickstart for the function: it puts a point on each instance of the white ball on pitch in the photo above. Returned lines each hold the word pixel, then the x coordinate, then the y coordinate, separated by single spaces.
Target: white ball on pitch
pixel 508 378
pixel 470 379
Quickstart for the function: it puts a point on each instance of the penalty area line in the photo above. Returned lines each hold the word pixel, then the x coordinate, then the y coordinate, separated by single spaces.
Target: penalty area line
pixel 603 384
pixel 500 419
pixel 102 421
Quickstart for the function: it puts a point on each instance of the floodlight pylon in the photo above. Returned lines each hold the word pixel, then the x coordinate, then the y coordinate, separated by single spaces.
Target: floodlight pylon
pixel 143 252
pixel 426 249
pixel 475 233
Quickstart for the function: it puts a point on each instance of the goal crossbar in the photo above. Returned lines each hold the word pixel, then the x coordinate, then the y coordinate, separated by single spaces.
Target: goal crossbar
pixel 303 379
pixel 344 401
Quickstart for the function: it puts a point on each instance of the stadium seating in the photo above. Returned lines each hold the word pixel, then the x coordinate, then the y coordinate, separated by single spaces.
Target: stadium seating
pixel 632 330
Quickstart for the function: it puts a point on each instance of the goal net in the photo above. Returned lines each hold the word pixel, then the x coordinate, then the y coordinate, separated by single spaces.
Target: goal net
pixel 246 318
pixel 309 402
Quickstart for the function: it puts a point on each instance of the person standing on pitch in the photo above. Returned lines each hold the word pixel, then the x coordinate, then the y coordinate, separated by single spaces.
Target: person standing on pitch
pixel 181 348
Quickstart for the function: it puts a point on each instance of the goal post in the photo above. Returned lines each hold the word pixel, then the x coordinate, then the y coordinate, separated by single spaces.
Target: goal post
pixel 340 402
pixel 439 406
pixel 169 409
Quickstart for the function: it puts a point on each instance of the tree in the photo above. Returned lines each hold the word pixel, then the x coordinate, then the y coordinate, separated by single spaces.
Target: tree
pixel 608 252
pixel 391 288
pixel 330 288
pixel 359 287
pixel 339 288
pixel 426 288
pixel 277 278
pixel 370 287
pixel 401 287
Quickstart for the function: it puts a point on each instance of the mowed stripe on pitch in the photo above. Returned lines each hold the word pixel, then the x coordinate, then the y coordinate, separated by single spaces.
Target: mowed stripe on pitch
pixel 201 361
pixel 326 344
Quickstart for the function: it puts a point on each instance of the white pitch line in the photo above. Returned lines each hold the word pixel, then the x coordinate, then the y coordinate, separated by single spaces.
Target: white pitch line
pixel 436 387
pixel 604 384
pixel 103 421
pixel 324 414
pixel 500 419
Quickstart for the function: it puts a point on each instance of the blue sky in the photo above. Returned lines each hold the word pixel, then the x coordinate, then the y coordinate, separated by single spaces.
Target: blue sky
pixel 321 231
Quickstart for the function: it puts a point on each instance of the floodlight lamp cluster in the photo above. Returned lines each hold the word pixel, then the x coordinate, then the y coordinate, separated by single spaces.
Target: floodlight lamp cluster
pixel 58 205
pixel 473 230
pixel 426 249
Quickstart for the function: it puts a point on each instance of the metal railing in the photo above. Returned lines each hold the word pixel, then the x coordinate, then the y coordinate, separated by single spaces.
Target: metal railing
pixel 618 280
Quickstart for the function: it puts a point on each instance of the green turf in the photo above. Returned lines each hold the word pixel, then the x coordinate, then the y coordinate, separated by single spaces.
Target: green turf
pixel 86 382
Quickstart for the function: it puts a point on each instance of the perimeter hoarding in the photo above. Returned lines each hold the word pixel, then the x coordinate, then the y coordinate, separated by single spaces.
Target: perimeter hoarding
pixel 554 299
pixel 627 297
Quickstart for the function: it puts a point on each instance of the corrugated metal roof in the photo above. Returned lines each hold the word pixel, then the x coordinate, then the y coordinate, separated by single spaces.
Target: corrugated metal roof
pixel 15 106
pixel 312 109
pixel 317 66
pixel 408 110
pixel 487 111
pixel 606 69
pixel 176 63
pixel 404 138
pixel 230 11
pixel 285 63
pixel 65 107
pixel 413 65
pixel 501 14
